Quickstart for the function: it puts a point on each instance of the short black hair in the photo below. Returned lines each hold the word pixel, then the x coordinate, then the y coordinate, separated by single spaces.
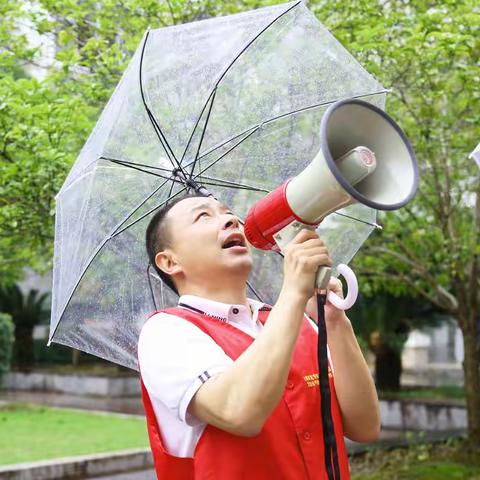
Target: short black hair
pixel 157 237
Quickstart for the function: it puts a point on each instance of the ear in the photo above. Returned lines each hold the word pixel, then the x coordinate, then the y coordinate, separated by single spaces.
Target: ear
pixel 167 262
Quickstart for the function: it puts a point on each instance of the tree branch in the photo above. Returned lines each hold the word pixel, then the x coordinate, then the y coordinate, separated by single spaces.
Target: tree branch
pixel 407 281
pixel 6 156
pixel 451 302
pixel 174 20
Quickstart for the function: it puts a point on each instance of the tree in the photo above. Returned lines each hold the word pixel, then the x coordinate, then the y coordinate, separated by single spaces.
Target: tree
pixel 51 95
pixel 41 129
pixel 429 54
pixel 26 312
pixel 383 322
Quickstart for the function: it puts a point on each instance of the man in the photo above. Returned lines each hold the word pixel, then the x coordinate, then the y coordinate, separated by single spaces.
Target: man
pixel 228 394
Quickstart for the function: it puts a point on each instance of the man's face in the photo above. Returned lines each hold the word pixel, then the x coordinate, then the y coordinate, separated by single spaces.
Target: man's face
pixel 207 240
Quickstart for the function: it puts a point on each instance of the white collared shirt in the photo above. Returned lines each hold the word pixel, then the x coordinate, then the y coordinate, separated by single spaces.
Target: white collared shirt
pixel 176 358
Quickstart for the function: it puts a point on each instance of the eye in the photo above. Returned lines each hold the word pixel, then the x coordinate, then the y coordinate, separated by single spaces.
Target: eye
pixel 201 214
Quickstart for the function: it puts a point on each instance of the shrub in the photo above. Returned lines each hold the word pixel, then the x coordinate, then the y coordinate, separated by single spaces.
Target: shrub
pixel 27 310
pixel 6 343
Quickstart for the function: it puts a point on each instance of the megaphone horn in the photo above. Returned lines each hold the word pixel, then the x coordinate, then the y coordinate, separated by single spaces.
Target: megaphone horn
pixel 364 157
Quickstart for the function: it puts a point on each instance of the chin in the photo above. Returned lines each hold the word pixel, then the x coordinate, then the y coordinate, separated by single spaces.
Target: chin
pixel 244 265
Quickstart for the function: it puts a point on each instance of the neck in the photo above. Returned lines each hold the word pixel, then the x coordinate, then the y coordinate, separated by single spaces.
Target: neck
pixel 235 293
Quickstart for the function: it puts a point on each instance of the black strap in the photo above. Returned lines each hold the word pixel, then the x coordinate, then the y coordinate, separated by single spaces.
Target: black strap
pixel 329 440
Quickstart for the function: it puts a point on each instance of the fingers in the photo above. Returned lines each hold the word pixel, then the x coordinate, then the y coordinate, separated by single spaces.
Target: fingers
pixel 305 240
pixel 302 258
pixel 314 243
pixel 304 235
pixel 315 261
pixel 311 260
pixel 309 252
pixel 335 284
pixel 308 245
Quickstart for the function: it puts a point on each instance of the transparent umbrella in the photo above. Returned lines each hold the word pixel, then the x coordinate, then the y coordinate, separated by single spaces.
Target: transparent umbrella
pixel 231 103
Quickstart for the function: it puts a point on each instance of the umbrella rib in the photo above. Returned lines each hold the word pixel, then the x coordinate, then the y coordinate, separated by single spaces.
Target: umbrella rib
pixel 204 129
pixel 145 200
pixel 255 291
pixel 255 127
pixel 253 40
pixel 208 152
pixel 150 285
pixel 126 162
pixel 375 225
pixel 236 187
pixel 170 190
pixel 226 153
pixel 196 124
pixel 270 120
pixel 226 71
pixel 260 298
pixel 114 233
pixel 174 180
pixel 228 183
pixel 317 105
pixel 118 232
pixel 154 122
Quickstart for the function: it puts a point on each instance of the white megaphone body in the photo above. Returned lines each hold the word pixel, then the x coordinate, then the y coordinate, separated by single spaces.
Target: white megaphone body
pixel 364 157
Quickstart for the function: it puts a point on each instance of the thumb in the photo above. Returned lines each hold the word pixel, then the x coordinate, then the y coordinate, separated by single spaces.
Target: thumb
pixel 335 285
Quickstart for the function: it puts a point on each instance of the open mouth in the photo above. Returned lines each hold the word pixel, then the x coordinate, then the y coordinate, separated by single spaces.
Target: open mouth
pixel 236 241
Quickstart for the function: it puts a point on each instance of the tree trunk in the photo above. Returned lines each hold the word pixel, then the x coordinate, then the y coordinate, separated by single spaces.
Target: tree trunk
pixel 388 368
pixel 75 357
pixel 23 351
pixel 471 370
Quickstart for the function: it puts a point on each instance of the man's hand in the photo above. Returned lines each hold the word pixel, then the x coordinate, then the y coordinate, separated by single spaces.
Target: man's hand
pixel 332 313
pixel 302 258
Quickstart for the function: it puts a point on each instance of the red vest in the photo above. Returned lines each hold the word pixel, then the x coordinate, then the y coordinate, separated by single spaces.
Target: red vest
pixel 290 445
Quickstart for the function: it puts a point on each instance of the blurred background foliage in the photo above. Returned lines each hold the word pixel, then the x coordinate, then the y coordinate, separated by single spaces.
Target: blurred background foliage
pixel 60 60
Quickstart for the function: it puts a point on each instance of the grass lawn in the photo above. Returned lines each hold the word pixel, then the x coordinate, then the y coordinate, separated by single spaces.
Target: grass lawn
pixel 29 433
pixel 452 460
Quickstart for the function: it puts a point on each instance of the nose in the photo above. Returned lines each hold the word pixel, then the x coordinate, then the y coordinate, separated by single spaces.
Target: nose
pixel 231 221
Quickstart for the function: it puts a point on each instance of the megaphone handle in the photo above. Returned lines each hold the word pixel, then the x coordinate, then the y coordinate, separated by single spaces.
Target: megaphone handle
pixel 284 236
pixel 352 289
pixel 323 277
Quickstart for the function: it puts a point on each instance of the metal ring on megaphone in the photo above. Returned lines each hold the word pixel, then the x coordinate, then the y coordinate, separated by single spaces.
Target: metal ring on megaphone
pixel 352 292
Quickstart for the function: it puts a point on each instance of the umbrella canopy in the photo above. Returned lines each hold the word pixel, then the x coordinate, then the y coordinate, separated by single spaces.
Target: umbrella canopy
pixel 233 103
pixel 475 155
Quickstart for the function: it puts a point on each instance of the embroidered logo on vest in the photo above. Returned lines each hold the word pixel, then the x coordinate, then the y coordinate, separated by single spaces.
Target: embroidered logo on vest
pixel 312 380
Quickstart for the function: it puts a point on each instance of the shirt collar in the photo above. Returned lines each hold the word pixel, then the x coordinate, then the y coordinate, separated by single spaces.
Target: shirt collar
pixel 225 312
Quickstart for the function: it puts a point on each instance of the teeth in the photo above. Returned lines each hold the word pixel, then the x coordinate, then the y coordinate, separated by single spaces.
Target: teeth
pixel 233 243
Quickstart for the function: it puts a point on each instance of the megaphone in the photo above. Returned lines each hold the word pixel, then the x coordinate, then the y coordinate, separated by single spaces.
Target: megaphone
pixel 364 157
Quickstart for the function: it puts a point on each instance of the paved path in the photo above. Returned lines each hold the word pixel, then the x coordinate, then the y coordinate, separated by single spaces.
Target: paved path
pixel 129 405
pixel 145 475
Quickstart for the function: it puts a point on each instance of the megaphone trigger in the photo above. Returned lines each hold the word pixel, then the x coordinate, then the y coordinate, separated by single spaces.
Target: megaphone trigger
pixel 352 289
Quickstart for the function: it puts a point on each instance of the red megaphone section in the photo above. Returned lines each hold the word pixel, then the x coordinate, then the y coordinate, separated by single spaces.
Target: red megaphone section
pixel 267 216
